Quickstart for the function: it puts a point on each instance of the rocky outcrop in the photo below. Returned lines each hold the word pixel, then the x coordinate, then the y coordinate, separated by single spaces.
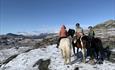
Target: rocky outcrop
pixel 106 25
pixel 112 57
pixel 46 41
pixel 43 64
pixel 9 59
pixel 106 31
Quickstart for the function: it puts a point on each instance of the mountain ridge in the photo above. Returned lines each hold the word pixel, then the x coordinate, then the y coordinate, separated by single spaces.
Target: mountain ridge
pixel 105 25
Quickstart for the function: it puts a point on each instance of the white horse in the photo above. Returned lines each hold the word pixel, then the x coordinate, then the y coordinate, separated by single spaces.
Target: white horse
pixel 65 46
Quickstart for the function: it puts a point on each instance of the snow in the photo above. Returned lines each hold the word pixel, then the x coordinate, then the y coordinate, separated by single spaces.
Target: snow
pixel 111 29
pixel 6 53
pixel 113 50
pixel 25 61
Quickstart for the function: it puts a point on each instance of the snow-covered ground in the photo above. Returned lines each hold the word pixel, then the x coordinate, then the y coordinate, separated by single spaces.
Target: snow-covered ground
pixel 6 53
pixel 113 50
pixel 25 61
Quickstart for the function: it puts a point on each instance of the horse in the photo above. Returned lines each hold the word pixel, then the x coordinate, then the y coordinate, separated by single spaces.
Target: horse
pixel 96 43
pixel 83 43
pixel 71 32
pixel 93 46
pixel 79 44
pixel 65 46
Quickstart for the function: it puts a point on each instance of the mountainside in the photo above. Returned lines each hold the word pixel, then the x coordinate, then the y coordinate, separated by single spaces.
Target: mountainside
pixel 106 25
pixel 106 31
pixel 13 40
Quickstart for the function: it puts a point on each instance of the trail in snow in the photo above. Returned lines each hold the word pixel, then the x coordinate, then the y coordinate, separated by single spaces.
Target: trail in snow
pixel 25 61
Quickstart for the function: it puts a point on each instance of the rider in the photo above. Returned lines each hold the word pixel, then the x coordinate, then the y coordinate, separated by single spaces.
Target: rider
pixel 91 32
pixel 78 31
pixel 62 34
pixel 91 35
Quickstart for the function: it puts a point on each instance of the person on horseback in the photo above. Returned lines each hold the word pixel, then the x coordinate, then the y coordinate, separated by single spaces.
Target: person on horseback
pixel 91 32
pixel 92 51
pixel 78 31
pixel 62 34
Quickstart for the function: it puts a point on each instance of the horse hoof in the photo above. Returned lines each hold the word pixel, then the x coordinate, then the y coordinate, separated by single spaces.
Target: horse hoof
pixel 84 61
pixel 92 62
pixel 65 63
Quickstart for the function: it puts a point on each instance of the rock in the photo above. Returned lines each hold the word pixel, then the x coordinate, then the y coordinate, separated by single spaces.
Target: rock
pixel 10 58
pixel 112 57
pixel 45 42
pixel 77 68
pixel 43 64
pixel 27 50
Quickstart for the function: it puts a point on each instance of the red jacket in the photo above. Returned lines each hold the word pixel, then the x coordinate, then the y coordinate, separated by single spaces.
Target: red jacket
pixel 63 32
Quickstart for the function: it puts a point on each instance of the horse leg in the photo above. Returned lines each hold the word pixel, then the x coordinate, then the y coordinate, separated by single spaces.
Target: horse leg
pixel 92 55
pixel 83 51
pixel 97 55
pixel 96 50
pixel 69 55
pixel 74 50
pixel 62 53
pixel 73 47
pixel 77 50
pixel 88 52
pixel 65 58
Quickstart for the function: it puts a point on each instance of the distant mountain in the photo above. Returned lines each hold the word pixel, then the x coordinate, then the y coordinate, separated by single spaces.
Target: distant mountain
pixel 29 33
pixel 106 25
pixel 40 36
pixel 34 33
pixel 13 35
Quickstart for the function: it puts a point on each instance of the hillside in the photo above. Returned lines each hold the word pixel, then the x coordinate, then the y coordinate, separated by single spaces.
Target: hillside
pixel 106 31
pixel 105 25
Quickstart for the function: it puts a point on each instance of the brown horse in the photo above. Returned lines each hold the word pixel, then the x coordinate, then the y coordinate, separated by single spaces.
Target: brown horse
pixel 93 46
pixel 82 43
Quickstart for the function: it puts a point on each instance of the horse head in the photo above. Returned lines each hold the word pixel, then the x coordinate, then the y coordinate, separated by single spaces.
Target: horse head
pixel 71 32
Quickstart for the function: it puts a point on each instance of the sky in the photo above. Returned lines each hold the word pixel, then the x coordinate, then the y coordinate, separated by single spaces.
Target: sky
pixel 48 15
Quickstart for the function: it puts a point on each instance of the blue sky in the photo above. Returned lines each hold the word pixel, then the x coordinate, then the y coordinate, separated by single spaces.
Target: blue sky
pixel 49 15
